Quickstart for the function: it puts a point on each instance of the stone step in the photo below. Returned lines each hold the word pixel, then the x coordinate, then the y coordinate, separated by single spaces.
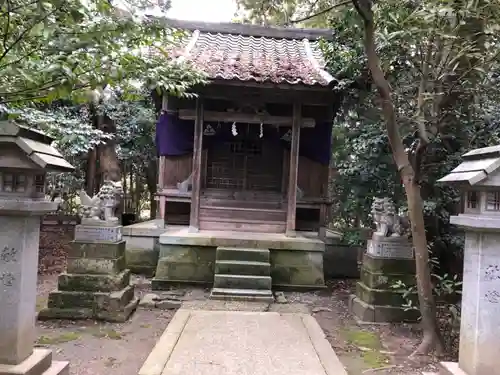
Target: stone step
pixel 242 295
pixel 450 368
pixel 256 226
pixel 242 282
pixel 242 254
pixel 242 267
pixel 58 368
pixel 38 362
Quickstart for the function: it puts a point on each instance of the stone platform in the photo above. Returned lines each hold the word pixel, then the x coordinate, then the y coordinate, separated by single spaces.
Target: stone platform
pixel 96 284
pixel 187 257
pixel 235 343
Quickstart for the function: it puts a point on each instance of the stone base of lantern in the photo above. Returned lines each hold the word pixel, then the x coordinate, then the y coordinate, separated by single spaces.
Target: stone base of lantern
pixel 376 300
pixel 97 285
pixel 38 363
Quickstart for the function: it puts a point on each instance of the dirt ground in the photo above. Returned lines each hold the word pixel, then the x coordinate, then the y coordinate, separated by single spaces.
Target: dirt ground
pixel 120 349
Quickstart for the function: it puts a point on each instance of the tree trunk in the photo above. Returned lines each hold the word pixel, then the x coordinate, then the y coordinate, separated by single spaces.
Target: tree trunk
pixel 91 182
pixel 152 181
pixel 109 165
pixel 432 338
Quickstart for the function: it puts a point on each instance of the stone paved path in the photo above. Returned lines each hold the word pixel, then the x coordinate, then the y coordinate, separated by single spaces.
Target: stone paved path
pixel 242 343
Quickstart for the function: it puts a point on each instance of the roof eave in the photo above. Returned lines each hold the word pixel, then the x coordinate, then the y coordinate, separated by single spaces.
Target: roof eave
pixel 248 29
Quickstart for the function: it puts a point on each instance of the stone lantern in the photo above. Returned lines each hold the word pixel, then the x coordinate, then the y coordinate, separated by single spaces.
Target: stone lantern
pixel 478 177
pixel 26 156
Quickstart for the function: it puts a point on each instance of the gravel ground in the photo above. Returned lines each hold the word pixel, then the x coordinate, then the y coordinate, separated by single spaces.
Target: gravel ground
pixel 120 349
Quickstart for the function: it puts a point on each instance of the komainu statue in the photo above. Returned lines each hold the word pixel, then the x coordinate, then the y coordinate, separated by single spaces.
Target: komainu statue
pixel 388 223
pixel 101 208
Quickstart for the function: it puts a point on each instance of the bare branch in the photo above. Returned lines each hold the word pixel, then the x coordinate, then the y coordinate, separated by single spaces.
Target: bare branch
pixel 321 12
pixel 25 32
pixel 7 26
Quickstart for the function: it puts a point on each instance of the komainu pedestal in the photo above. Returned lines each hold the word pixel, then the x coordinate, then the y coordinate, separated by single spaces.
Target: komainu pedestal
pixel 389 258
pixel 96 284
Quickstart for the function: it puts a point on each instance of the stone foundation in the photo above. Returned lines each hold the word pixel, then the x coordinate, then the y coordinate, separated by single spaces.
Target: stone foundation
pixel 143 247
pixel 296 263
pixel 184 264
pixel 96 285
pixel 376 300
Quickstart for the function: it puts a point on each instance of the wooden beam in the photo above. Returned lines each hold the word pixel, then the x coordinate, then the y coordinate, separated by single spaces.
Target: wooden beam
pixel 194 219
pixel 298 87
pixel 325 98
pixel 189 114
pixel 293 175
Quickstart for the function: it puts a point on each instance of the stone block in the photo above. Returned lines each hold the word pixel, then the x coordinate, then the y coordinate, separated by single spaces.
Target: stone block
pixel 115 306
pixel 480 316
pixel 188 254
pixel 94 282
pixel 378 280
pixel 37 363
pixel 382 297
pixel 242 254
pixel 242 282
pixel 390 248
pixel 67 313
pixel 252 295
pixel 184 272
pixel 115 300
pixel 235 267
pixel 380 314
pixel 95 265
pixel 341 261
pixel 297 269
pixel 90 233
pixel 184 264
pixel 18 274
pixel 70 299
pixel 390 266
pixel 143 260
pixel 97 250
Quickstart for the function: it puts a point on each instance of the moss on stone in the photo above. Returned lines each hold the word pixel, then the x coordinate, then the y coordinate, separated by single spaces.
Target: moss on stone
pixel 142 260
pixel 59 339
pixel 94 283
pixel 297 268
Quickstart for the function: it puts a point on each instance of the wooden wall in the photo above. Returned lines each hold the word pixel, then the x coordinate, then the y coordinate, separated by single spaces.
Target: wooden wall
pixel 178 168
pixel 312 176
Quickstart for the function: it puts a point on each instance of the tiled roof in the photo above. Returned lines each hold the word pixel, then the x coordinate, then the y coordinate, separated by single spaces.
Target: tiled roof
pixel 229 55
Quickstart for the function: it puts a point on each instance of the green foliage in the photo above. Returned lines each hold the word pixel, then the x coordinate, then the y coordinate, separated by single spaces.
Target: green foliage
pixel 438 61
pixel 57 56
pixel 284 13
pixel 69 125
pixel 59 48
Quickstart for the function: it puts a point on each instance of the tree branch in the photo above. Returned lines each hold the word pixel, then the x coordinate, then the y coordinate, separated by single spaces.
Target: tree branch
pixel 19 7
pixel 25 32
pixel 320 12
pixel 7 26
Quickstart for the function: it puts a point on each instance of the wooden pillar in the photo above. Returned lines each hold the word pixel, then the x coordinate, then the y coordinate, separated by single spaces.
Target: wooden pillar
pixel 292 176
pixel 162 199
pixel 194 219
